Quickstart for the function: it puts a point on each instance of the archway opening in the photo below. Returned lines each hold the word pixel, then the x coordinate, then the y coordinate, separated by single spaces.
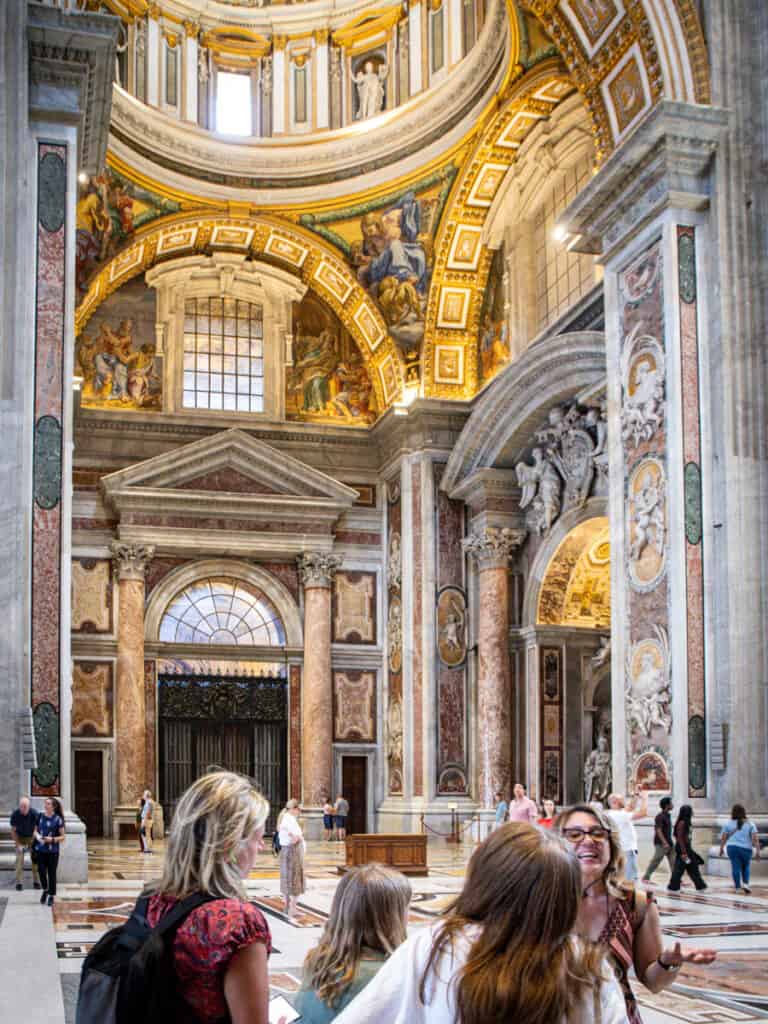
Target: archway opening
pixel 216 710
pixel 573 617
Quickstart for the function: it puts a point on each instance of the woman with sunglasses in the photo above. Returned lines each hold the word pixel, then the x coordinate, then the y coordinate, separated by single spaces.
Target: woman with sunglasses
pixel 614 914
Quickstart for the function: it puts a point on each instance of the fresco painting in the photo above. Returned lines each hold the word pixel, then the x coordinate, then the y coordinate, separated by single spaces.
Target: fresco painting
pixel 115 354
pixel 389 243
pixel 494 329
pixel 109 210
pixel 328 381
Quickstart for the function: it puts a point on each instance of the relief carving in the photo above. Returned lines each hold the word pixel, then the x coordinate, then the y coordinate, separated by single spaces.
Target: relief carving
pixel 395 635
pixel 91 596
pixel 452 627
pixel 569 463
pixel 394 562
pixel 649 694
pixel 642 380
pixel 647 523
pixel 395 742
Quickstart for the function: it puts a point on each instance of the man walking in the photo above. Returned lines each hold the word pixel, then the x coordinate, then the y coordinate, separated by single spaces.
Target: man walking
pixel 23 823
pixel 340 818
pixel 662 839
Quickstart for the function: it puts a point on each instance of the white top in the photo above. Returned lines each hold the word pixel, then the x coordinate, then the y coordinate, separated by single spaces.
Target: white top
pixel 289 827
pixel 627 834
pixel 392 997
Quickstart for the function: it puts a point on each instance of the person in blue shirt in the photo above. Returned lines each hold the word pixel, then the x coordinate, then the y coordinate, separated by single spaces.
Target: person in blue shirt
pixel 739 840
pixel 502 807
pixel 49 835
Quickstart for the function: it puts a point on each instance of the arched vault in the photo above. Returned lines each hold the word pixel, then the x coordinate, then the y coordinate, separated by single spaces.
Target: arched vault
pixel 262 237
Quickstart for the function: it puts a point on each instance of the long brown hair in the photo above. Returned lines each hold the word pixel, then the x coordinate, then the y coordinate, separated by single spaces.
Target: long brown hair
pixel 739 814
pixel 613 876
pixel 369 909
pixel 522 889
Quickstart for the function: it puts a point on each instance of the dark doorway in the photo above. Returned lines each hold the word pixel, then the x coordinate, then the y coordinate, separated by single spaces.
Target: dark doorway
pixel 89 790
pixel 354 788
pixel 235 724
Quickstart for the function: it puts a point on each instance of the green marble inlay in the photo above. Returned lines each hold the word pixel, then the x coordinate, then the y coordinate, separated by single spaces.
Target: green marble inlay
pixel 697 753
pixel 686 265
pixel 47 472
pixel 52 192
pixel 46 721
pixel 693 503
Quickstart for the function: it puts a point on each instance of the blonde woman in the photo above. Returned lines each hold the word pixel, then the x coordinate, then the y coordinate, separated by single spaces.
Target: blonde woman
pixel 623 920
pixel 368 921
pixel 291 857
pixel 503 952
pixel 220 951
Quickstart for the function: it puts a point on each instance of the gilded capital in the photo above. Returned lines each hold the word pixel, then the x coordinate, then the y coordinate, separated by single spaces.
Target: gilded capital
pixel 279 42
pixel 493 546
pixel 130 561
pixel 318 568
pixel 191 29
pixel 320 35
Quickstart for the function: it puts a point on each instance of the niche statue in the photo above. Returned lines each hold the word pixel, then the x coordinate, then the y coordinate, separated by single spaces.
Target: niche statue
pixel 597 773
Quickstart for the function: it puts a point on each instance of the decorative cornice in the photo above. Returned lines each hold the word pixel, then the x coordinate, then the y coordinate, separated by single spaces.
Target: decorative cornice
pixel 130 561
pixel 493 546
pixel 663 163
pixel 71 64
pixel 318 568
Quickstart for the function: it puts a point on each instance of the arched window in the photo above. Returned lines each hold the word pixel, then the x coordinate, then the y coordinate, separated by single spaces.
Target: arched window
pixel 222 611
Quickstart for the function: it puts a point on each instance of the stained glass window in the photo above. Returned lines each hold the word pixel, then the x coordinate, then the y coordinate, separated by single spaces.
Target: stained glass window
pixel 222 611
pixel 223 355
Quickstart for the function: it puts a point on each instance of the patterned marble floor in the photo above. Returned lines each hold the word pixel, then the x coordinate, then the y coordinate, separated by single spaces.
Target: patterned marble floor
pixel 734 989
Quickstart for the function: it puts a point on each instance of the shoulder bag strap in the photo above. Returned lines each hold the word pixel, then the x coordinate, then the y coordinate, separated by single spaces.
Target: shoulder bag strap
pixel 174 918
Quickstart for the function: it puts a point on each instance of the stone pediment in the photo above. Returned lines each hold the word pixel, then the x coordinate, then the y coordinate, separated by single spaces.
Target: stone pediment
pixel 231 485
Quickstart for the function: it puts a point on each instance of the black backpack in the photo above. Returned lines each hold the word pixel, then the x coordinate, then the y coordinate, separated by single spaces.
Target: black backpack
pixel 276 843
pixel 128 976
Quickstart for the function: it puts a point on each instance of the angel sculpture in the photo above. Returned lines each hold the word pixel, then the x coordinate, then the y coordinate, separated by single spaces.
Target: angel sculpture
pixel 542 487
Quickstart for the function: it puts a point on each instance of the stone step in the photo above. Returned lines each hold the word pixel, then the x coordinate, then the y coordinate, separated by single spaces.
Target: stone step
pixel 721 866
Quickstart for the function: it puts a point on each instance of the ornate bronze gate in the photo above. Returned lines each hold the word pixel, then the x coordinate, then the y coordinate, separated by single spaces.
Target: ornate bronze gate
pixel 221 722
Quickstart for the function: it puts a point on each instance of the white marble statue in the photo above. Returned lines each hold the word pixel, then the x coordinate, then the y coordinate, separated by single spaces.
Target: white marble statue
pixel 370 90
pixel 597 773
pixel 452 629
pixel 603 654
pixel 541 486
pixel 394 562
pixel 649 698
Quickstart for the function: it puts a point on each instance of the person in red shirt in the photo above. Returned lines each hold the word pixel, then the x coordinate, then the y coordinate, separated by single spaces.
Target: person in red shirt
pixel 545 821
pixel 220 951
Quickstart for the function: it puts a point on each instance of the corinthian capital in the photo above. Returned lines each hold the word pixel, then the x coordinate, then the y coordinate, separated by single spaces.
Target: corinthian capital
pixel 317 568
pixel 130 561
pixel 493 546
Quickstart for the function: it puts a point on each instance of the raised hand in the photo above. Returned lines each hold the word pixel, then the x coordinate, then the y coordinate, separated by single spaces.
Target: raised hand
pixel 677 956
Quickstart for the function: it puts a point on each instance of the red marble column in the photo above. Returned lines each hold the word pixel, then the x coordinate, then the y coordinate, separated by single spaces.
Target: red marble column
pixel 130 562
pixel 317 570
pixel 491 548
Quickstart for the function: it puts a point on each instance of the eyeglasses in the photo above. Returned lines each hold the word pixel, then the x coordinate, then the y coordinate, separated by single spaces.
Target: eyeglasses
pixel 577 835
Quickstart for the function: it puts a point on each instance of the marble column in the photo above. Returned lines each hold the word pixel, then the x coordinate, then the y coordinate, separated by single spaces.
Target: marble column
pixel 189 72
pixel 130 563
pixel 317 570
pixel 278 85
pixel 153 60
pixel 321 85
pixel 415 43
pixel 491 548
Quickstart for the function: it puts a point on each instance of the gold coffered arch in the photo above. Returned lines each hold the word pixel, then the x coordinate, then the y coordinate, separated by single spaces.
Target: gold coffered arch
pixel 270 238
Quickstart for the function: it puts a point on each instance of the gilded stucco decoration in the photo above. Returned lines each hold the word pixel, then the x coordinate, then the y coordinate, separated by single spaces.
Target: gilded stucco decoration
pixel 288 245
pixel 576 589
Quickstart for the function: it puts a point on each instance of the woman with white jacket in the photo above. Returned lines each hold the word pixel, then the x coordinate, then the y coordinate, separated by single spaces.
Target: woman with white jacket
pixel 505 950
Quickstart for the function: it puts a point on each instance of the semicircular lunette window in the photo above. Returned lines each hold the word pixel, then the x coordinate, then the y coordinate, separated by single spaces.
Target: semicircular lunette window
pixel 222 611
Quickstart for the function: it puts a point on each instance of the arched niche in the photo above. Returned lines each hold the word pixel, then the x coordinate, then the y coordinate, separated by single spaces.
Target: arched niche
pixel 181 578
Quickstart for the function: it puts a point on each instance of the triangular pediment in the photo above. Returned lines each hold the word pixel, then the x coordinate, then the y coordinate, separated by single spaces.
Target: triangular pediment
pixel 231 466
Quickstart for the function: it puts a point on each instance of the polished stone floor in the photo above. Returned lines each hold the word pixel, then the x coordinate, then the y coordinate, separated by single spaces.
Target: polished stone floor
pixel 735 988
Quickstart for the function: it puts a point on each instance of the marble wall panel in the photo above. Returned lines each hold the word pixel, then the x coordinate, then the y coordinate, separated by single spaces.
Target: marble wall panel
pixel 551 724
pixel 223 523
pixel 150 711
pixel 694 555
pixel 394 718
pixel 92 698
pixel 158 569
pixel 294 696
pixel 417 563
pixel 641 306
pixel 354 707
pixel 354 608
pixel 452 705
pixel 226 479
pixel 47 465
pixel 92 605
